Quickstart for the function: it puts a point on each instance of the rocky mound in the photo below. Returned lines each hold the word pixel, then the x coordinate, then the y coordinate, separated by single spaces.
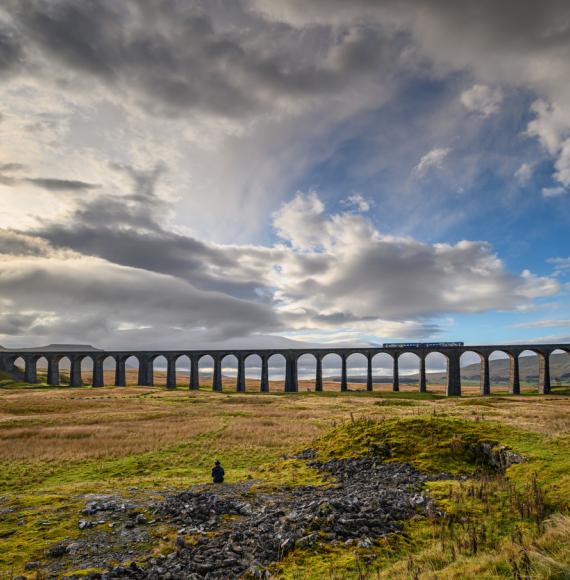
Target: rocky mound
pixel 232 532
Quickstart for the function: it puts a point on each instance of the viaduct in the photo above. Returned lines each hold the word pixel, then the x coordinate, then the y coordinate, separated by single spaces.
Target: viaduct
pixel 146 359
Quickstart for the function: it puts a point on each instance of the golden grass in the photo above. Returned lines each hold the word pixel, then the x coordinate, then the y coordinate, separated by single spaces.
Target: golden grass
pixel 114 422
pixel 63 442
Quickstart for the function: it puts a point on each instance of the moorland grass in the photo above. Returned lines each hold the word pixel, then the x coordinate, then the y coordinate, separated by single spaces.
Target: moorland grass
pixel 58 444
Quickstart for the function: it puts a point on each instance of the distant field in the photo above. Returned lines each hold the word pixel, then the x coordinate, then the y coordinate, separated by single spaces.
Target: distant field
pixel 59 444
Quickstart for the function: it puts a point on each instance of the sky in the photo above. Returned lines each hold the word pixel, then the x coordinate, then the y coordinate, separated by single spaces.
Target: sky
pixel 251 173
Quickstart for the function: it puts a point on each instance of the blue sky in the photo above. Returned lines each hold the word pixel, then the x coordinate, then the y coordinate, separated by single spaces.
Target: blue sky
pixel 255 173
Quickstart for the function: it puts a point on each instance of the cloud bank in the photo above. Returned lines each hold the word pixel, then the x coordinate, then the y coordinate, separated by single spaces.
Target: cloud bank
pixel 149 150
pixel 114 273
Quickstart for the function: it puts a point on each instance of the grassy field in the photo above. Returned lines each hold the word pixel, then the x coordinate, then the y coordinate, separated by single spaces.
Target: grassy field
pixel 59 444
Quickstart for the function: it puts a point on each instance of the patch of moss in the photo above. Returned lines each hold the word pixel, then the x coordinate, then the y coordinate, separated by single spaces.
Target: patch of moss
pixel 283 472
pixel 433 444
pixel 34 522
pixel 397 403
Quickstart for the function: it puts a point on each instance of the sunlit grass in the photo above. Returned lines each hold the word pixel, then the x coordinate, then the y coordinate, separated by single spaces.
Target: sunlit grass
pixel 57 444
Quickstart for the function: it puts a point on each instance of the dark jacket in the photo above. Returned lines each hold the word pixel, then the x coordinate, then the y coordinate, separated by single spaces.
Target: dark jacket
pixel 218 474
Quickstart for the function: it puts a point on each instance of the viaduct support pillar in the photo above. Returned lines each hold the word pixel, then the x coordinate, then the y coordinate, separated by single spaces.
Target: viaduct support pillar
pixel 171 373
pixel 98 378
pixel 453 375
pixel 544 374
pixel 30 370
pixel 344 377
pixel 485 379
pixel 319 375
pixel 217 377
pixel 396 374
pixel 240 386
pixel 423 377
pixel 194 373
pixel 120 373
pixel 291 385
pixel 264 383
pixel 145 372
pixel 53 371
pixel 514 377
pixel 369 379
pixel 75 372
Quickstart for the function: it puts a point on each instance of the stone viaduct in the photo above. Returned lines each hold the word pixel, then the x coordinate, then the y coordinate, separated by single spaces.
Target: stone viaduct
pixel 146 359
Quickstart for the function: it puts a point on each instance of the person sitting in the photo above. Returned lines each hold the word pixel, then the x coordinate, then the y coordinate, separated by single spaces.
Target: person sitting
pixel 218 472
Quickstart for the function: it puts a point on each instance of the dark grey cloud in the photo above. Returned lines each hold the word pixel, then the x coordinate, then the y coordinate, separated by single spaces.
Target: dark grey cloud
pixel 177 58
pixel 11 167
pixel 60 184
pixel 49 183
pixel 10 51
pixel 131 230
pixel 16 323
pixel 13 243
pixel 77 290
pixel 515 43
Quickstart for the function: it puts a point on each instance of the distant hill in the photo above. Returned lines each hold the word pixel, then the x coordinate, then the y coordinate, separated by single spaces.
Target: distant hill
pixel 57 348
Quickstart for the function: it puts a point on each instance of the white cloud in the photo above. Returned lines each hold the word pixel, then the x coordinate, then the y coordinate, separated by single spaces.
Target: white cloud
pixel 350 273
pixel 550 125
pixel 357 202
pixel 301 221
pixel 433 159
pixel 553 191
pixel 523 173
pixel 560 264
pixel 482 99
pixel 543 324
pixel 562 164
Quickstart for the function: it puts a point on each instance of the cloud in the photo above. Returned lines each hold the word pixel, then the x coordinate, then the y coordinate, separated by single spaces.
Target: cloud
pixel 242 105
pixel 357 202
pixel 349 271
pixel 301 221
pixel 47 183
pixel 335 271
pixel 16 323
pixel 518 43
pixel 482 99
pixel 553 191
pixel 549 126
pixel 560 264
pixel 188 59
pixel 60 184
pixel 88 297
pixel 562 164
pixel 10 50
pixel 13 243
pixel 523 173
pixel 543 324
pixel 433 159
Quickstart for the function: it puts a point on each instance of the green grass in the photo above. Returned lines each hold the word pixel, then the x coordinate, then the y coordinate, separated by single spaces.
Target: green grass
pixel 495 526
pixel 514 525
pixel 174 465
pixel 431 443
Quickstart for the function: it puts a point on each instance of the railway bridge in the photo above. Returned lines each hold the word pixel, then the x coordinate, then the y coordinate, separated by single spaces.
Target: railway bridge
pixel 146 358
